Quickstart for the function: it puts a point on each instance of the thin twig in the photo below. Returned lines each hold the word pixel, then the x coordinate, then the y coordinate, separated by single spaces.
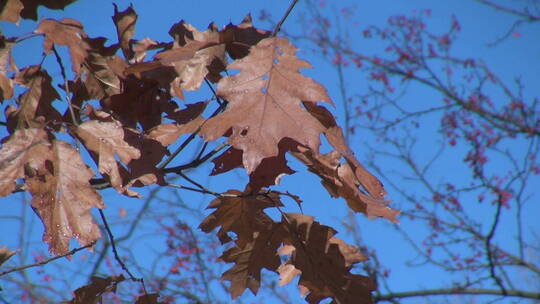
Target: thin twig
pixel 115 252
pixel 280 23
pixel 454 291
pixel 113 245
pixel 203 188
pixel 47 260
pixel 489 250
pixel 196 162
pixel 189 139
pixel 188 188
pixel 66 86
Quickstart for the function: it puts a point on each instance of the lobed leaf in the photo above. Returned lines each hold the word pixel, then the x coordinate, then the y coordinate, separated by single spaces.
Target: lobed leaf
pixel 35 104
pixel 323 262
pixel 93 292
pixel 6 60
pixel 241 215
pixel 125 28
pixel 31 6
pixel 15 153
pixel 11 10
pixel 269 88
pixel 249 260
pixel 239 38
pixel 68 32
pixel 107 139
pixel 62 197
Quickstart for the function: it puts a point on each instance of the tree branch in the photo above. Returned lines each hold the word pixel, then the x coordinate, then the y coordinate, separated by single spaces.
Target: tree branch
pixel 453 291
pixel 47 260
pixel 280 23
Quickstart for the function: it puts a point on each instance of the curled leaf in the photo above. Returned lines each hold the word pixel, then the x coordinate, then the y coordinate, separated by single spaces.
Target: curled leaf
pixel 106 139
pixel 67 32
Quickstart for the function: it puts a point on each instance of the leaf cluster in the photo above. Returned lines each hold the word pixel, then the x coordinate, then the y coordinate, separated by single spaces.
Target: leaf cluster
pixel 264 110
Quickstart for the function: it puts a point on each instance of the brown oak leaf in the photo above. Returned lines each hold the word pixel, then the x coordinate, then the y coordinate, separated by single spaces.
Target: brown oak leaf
pixel 101 80
pixel 93 292
pixel 167 134
pixel 151 298
pixel 345 180
pixel 31 6
pixel 63 198
pixel 239 38
pixel 6 60
pixel 107 139
pixel 324 262
pixel 257 237
pixel 10 11
pixel 67 32
pixel 5 254
pixel 35 104
pixel 241 215
pixel 141 46
pixel 125 28
pixel 340 180
pixel 268 173
pixel 251 259
pixel 269 88
pixel 188 120
pixel 15 154
pixel 287 272
pixel 335 137
pixel 142 170
pixel 194 55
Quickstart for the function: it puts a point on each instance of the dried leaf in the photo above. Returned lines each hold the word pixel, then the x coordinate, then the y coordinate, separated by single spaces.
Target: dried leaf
pixel 227 161
pixel 141 46
pixel 195 55
pixel 268 173
pixel 93 292
pixel 271 90
pixel 240 38
pixel 258 237
pixel 5 254
pixel 14 155
pixel 11 11
pixel 6 62
pixel 140 101
pixel 31 6
pixel 340 181
pixel 143 170
pixel 100 81
pixel 107 139
pixel 151 298
pixel 241 215
pixel 287 272
pixel 188 121
pixel 335 137
pixel 67 32
pixel 251 259
pixel 63 197
pixel 6 87
pixel 324 262
pixel 35 103
pixel 167 134
pixel 125 28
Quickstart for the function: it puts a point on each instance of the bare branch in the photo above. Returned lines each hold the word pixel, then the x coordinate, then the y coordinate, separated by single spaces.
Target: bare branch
pixel 44 262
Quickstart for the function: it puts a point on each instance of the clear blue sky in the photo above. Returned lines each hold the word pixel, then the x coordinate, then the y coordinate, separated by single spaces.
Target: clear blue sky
pixel 480 26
